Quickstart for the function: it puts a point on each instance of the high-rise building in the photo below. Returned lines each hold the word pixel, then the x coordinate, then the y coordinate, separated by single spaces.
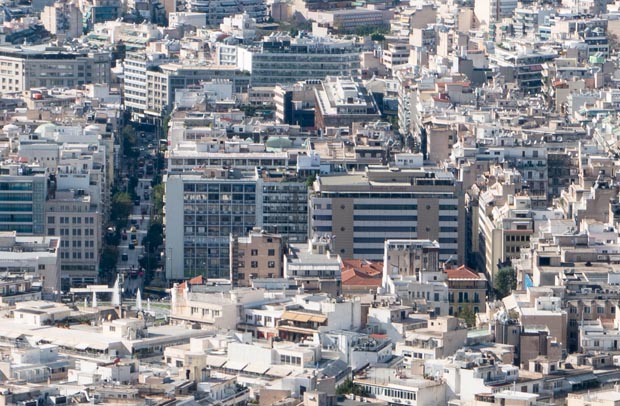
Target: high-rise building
pixel 362 210
pixel 204 209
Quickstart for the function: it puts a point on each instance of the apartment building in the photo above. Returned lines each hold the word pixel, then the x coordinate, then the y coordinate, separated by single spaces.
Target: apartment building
pixel 490 11
pixel 43 66
pixel 135 67
pixel 364 209
pixel 466 289
pixel 257 255
pixel 31 256
pixel 63 19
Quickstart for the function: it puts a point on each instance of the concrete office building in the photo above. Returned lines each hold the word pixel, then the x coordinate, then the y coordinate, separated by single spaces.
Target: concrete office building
pixel 203 209
pixel 364 209
pixel 282 59
pixel 23 191
pixel 76 219
pixel 161 83
pixel 217 10
pixel 340 102
pixel 43 66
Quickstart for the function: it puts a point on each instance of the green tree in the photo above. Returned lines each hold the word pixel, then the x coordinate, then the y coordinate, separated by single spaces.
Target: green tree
pixel 377 36
pixel 109 257
pixel 130 141
pixel 468 315
pixel 154 236
pixel 310 180
pixel 349 387
pixel 158 199
pixel 121 207
pixel 504 281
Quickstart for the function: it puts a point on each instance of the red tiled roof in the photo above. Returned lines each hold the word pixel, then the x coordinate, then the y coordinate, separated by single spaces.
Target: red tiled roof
pixel 462 272
pixel 360 272
pixel 196 280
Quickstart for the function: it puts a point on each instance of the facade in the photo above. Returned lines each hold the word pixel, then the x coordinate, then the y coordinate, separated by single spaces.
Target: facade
pixel 23 192
pixel 205 209
pixel 162 82
pixel 259 255
pixel 280 59
pixel 364 209
pixel 466 289
pixel 29 67
pixel 217 10
pixel 72 216
pixel 63 20
pixel 202 211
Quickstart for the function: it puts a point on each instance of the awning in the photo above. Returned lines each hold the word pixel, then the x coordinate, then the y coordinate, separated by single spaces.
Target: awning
pixel 579 379
pixel 257 368
pixel 280 371
pixel 303 317
pixel 235 365
pixel 81 346
pixel 215 361
pixel 300 330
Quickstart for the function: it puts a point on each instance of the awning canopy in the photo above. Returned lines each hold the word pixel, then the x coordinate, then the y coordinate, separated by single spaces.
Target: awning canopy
pixel 280 371
pixel 215 361
pixel 304 317
pixel 257 368
pixel 299 330
pixel 579 379
pixel 235 365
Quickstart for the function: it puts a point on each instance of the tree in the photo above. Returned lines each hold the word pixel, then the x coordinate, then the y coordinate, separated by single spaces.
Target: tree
pixel 154 236
pixel 468 315
pixel 109 257
pixel 158 199
pixel 377 36
pixel 130 141
pixel 310 180
pixel 349 387
pixel 504 281
pixel 121 207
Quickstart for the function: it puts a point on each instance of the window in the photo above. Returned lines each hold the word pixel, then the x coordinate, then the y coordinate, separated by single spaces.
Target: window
pixel 51 220
pixel 254 253
pixel 271 252
pixel 41 267
pixel 254 264
pixel 271 264
pixel 600 310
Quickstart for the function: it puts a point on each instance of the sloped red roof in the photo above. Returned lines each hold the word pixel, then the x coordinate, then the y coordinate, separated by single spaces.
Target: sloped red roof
pixel 462 272
pixel 196 280
pixel 360 272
